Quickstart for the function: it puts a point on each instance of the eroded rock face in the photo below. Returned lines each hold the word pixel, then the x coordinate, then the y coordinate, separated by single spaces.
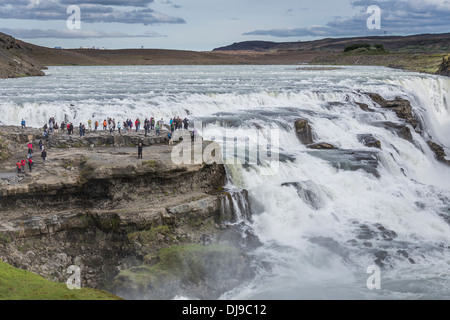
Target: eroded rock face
pixel 321 146
pixel 400 106
pixel 194 271
pixel 110 213
pixel 438 151
pixel 401 130
pixel 444 68
pixel 369 141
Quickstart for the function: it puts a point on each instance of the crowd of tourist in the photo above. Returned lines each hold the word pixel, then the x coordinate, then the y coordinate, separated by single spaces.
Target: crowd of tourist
pixel 148 125
pixel 112 126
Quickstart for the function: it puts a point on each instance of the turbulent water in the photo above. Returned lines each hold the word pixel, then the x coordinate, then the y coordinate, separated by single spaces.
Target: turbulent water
pixel 323 217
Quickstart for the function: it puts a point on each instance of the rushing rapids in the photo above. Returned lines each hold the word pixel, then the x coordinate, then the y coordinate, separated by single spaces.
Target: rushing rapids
pixel 322 217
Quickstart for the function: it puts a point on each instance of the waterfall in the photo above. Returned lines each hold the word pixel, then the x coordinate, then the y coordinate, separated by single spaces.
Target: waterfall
pixel 321 217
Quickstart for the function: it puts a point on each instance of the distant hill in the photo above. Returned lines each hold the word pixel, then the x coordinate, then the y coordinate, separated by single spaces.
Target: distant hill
pixel 15 60
pixel 403 44
pixel 418 53
pixel 19 58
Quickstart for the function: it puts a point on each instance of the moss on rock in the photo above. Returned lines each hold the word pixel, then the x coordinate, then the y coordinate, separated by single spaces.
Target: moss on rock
pixel 181 266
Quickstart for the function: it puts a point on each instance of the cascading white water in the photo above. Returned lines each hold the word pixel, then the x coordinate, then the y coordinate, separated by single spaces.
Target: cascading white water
pixel 323 217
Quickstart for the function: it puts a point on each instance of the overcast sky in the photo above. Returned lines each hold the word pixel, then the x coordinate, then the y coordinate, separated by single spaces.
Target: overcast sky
pixel 206 24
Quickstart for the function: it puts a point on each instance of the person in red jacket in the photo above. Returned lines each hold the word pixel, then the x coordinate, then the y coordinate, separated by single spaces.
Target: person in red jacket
pixel 30 163
pixel 30 148
pixel 19 167
pixel 22 164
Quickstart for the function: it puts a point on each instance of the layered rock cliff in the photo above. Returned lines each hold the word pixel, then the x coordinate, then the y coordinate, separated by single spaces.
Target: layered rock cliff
pixel 113 215
pixel 444 68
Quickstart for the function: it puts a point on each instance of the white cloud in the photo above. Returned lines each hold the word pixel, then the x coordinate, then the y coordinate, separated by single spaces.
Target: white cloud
pixel 72 34
pixel 398 17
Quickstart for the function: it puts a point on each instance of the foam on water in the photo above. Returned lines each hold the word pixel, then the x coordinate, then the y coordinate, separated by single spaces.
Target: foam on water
pixel 310 250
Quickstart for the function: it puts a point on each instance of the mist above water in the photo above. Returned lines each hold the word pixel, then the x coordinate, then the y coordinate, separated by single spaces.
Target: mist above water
pixel 322 217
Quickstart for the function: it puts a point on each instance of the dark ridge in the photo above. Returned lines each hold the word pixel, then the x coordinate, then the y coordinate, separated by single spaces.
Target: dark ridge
pixel 435 42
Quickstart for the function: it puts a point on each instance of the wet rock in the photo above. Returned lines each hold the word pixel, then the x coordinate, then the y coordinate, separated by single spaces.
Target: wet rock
pixel 400 106
pixel 303 131
pixel 438 151
pixel 240 235
pixel 350 160
pixel 364 107
pixel 330 244
pixel 401 130
pixel 321 146
pixel 385 233
pixel 420 205
pixel 403 253
pixel 206 239
pixel 381 254
pixel 309 192
pixel 369 141
pixel 201 272
pixel 381 257
pixel 364 233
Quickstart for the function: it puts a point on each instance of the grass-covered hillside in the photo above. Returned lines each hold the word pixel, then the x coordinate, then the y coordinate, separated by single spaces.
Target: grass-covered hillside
pixel 17 284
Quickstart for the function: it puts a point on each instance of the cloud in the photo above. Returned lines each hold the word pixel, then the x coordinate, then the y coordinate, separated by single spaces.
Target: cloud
pixel 72 34
pixel 129 3
pixel 91 11
pixel 171 3
pixel 397 17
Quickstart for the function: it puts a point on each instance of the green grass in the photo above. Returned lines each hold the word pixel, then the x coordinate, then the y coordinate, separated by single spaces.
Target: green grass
pixel 428 63
pixel 149 163
pixel 17 284
pixel 148 236
pixel 4 153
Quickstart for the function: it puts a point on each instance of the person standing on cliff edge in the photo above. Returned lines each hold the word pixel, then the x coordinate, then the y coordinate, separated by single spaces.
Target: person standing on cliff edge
pixel 19 167
pixel 23 164
pixel 23 123
pixel 140 150
pixel 44 155
pixel 30 163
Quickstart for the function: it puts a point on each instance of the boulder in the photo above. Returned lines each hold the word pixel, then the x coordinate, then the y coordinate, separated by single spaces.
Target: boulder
pixel 400 106
pixel 369 141
pixel 364 107
pixel 438 151
pixel 401 130
pixel 303 131
pixel 321 146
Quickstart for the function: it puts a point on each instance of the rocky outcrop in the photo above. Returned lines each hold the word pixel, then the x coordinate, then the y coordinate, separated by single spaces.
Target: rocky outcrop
pixel 14 61
pixel 306 135
pixel 110 213
pixel 401 107
pixel 364 107
pixel 369 141
pixel 303 131
pixel 321 146
pixel 401 130
pixel 444 68
pixel 438 151
pixel 199 271
pixel 351 160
